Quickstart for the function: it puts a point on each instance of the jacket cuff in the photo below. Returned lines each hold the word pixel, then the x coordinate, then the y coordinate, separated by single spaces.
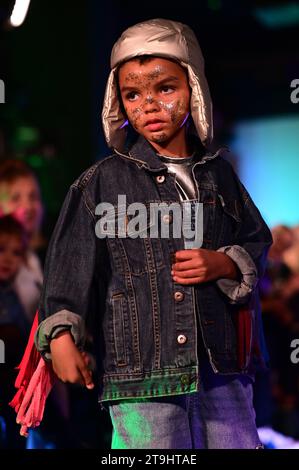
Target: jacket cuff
pixel 48 329
pixel 239 291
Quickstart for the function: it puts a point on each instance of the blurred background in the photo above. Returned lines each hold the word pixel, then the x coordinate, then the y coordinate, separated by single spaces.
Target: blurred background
pixel 53 71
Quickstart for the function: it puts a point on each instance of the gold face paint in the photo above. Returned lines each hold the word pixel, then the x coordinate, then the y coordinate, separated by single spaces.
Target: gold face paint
pixel 156 97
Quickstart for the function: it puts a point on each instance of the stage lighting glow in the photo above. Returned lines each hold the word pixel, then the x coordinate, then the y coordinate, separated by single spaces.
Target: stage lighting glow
pixel 19 12
pixel 268 163
pixel 280 16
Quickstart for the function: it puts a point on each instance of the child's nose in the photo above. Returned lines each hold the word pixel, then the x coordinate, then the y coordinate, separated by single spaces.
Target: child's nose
pixel 151 104
pixel 149 99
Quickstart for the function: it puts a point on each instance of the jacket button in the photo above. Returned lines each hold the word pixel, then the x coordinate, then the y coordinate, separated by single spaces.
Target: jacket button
pixel 181 339
pixel 178 296
pixel 167 218
pixel 185 379
pixel 160 178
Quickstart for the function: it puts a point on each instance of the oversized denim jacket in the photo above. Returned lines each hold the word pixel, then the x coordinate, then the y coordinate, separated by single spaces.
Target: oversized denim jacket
pixel 146 327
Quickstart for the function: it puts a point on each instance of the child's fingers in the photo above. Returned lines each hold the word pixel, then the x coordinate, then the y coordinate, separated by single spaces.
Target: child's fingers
pixel 183 255
pixel 87 376
pixel 86 358
pixel 89 361
pixel 187 281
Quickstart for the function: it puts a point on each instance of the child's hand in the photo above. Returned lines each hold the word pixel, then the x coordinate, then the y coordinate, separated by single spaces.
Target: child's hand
pixel 200 265
pixel 69 364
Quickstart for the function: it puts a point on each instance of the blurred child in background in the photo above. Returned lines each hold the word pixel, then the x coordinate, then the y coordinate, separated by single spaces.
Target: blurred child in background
pixel 20 195
pixel 14 325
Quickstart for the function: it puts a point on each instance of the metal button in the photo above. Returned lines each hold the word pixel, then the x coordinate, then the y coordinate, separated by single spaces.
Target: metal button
pixel 167 218
pixel 178 296
pixel 185 379
pixel 160 178
pixel 181 339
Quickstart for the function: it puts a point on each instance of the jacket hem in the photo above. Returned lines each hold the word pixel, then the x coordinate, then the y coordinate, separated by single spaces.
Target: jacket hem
pixel 149 385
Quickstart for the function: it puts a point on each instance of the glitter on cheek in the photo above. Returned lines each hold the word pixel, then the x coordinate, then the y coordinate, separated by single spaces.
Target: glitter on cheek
pixel 136 113
pixel 174 108
pixel 179 112
pixel 167 106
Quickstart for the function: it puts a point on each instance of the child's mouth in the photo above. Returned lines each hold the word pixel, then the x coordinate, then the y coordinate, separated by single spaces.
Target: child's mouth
pixel 154 126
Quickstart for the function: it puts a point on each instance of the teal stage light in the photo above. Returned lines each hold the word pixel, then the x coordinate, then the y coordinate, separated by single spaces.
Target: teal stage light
pixel 268 163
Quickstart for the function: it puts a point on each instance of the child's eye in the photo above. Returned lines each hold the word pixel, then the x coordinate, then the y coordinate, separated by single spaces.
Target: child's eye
pixel 132 96
pixel 166 89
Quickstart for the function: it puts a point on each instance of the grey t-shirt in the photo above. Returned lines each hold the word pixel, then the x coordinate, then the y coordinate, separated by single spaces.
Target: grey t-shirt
pixel 181 167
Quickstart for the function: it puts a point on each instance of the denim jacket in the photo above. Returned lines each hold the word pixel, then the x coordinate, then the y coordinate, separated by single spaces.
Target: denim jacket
pixel 147 327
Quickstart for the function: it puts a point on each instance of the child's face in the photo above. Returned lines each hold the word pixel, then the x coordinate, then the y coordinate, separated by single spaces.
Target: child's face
pixel 156 97
pixel 11 256
pixel 23 198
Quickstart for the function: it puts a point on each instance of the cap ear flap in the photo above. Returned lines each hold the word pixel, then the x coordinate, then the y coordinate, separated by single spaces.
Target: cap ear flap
pixel 113 119
pixel 200 106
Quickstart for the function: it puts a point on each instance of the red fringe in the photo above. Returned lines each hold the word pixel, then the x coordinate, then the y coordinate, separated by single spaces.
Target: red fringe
pixel 34 383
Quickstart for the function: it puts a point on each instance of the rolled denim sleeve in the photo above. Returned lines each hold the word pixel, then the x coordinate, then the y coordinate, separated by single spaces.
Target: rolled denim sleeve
pixel 254 235
pixel 69 272
pixel 239 290
pixel 61 321
pixel 248 250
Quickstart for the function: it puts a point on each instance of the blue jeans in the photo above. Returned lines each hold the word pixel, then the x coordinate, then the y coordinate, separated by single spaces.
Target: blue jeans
pixel 219 416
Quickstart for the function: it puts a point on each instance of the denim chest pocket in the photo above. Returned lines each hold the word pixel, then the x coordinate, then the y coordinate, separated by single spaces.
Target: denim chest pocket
pixel 229 211
pixel 132 243
pixel 208 199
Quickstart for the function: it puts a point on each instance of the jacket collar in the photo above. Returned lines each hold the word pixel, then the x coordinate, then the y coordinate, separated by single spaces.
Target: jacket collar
pixel 144 155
